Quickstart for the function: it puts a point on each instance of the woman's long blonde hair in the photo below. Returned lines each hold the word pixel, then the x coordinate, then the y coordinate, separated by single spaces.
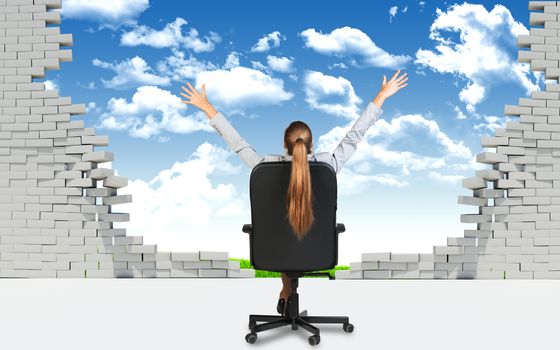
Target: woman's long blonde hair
pixel 298 141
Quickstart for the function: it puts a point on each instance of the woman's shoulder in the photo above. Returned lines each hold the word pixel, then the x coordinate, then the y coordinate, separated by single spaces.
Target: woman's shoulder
pixel 324 156
pixel 273 157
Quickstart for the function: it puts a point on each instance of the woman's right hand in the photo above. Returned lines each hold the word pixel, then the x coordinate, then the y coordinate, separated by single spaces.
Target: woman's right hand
pixel 199 100
pixel 388 88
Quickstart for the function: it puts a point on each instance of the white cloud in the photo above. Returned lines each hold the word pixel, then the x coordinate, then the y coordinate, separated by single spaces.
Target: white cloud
pixel 275 64
pixel 51 85
pixel 280 64
pixel 483 53
pixel 350 182
pixel 409 142
pixel 472 95
pixel 150 112
pixel 263 44
pixel 92 107
pixel 338 65
pixel 231 88
pixel 183 198
pixel 459 113
pixel 170 36
pixel 318 86
pixel 413 122
pixel 130 73
pixel 179 68
pixel 258 65
pixel 347 41
pixel 89 86
pixel 453 179
pixel 108 13
pixel 491 123
pixel 392 13
pixel 240 88
pixel 231 61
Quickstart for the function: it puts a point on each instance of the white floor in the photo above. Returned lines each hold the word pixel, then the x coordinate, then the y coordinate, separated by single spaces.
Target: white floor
pixel 213 314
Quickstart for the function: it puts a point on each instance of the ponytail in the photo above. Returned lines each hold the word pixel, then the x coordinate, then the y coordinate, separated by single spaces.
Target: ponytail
pixel 299 195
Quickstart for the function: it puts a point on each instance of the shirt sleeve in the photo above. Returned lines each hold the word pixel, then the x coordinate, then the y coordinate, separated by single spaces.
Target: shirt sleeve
pixel 350 141
pixel 234 140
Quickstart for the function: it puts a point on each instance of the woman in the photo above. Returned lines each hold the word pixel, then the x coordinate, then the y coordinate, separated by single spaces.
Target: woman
pixel 298 144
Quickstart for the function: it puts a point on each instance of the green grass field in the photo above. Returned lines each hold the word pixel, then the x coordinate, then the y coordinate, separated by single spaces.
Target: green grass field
pixel 246 264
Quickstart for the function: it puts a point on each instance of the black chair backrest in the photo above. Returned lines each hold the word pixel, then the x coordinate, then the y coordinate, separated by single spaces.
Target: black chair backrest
pixel 273 245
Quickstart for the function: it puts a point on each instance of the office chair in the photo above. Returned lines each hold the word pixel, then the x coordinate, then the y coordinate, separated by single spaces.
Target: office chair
pixel 274 247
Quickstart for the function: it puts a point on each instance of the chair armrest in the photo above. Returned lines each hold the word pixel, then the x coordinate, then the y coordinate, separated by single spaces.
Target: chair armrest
pixel 247 228
pixel 340 228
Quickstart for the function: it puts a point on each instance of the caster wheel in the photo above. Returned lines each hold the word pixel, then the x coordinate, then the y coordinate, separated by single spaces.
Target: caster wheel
pixel 251 338
pixel 314 339
pixel 252 324
pixel 348 327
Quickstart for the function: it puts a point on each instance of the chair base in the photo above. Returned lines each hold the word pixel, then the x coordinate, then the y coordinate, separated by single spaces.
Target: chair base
pixel 301 320
pixel 295 319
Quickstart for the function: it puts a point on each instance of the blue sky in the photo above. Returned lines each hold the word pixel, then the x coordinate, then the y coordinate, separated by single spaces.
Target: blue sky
pixel 265 66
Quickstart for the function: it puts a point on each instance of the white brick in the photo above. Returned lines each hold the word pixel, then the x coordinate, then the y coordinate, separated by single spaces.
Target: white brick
pixel 207 255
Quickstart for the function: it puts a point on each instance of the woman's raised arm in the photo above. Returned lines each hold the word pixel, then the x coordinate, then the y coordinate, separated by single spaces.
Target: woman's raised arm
pixel 369 116
pixel 219 122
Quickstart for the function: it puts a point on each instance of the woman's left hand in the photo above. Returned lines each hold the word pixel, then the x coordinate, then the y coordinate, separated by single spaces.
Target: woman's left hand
pixel 199 100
